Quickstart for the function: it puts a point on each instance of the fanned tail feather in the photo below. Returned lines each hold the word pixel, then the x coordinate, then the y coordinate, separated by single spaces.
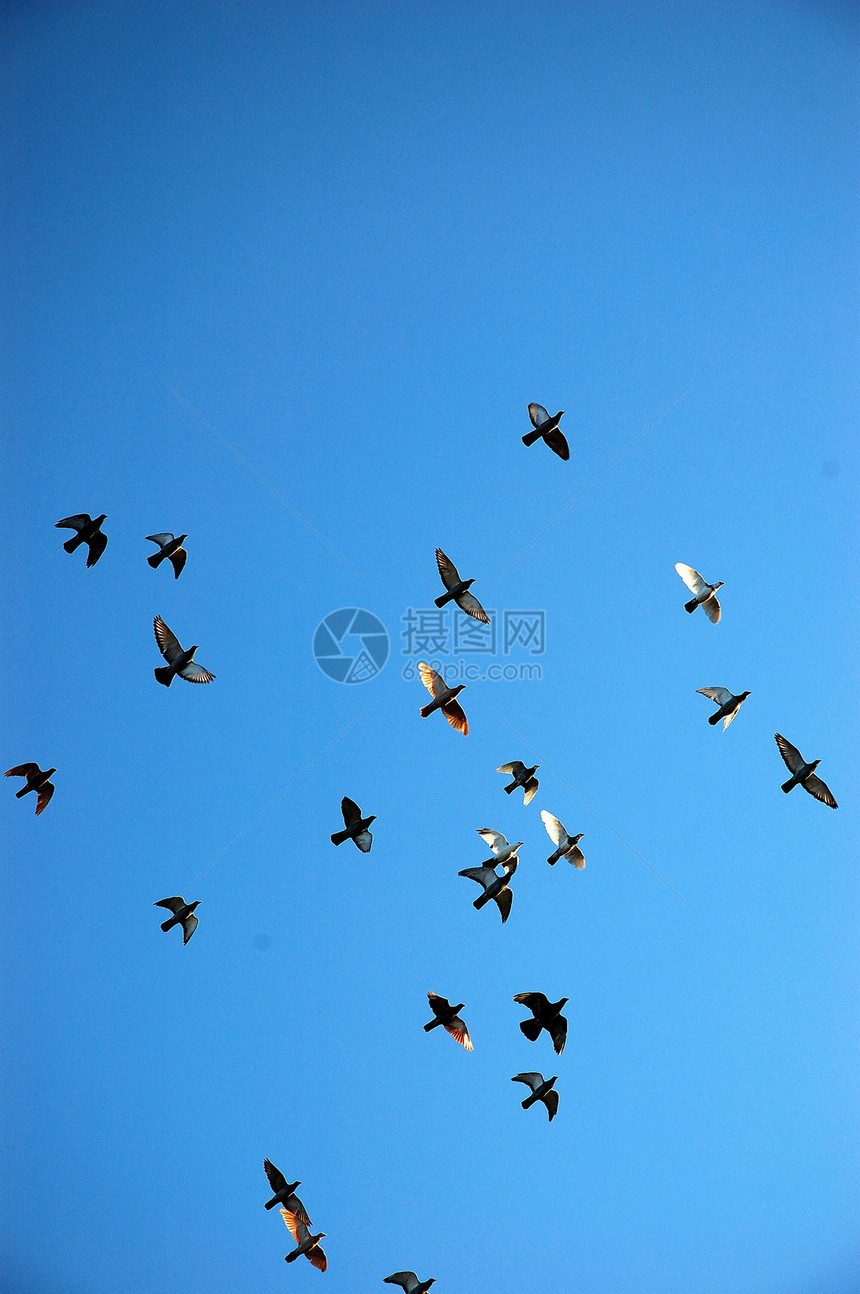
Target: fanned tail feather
pixel 531 1028
pixel 164 675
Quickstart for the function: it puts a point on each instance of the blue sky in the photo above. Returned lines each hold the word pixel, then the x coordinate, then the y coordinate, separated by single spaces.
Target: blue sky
pixel 357 241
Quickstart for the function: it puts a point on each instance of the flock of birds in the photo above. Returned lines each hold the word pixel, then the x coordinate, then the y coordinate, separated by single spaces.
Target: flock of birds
pixel 495 884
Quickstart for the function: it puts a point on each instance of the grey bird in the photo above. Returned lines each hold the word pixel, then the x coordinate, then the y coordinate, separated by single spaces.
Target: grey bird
pixel 727 704
pixel 703 593
pixel 285 1193
pixel 803 774
pixel 356 826
pixel 37 781
pixel 178 661
pixel 171 548
pixel 89 533
pixel 409 1282
pixel 447 1016
pixel 547 1015
pixel 541 1091
pixel 183 914
pixel 547 428
pixel 495 886
pixel 524 777
pixel 567 846
pixel 305 1243
pixel 458 590
pixel 443 699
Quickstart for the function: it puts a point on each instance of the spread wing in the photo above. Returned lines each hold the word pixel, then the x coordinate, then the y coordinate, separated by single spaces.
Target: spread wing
pixel 364 840
pixel 721 695
pixel 533 1080
pixel 515 767
pixel 550 1100
pixel 558 443
pixel 530 790
pixel 318 1258
pixel 711 608
pixel 447 569
pixel 161 539
pixel 24 770
pixel 469 603
pixel 46 791
pixel 558 1033
pixel 434 683
pixel 168 643
pixel 494 839
pixel 503 901
pixel 173 904
pixel 576 857
pixel 350 810
pixel 297 1227
pixel 455 715
pixel 792 757
pixel 458 1030
pixel 438 1005
pixel 96 547
pixel 406 1280
pixel 277 1181
pixel 538 414
pixel 554 828
pixel 189 925
pixel 534 1001
pixel 77 522
pixel 691 578
pixel 485 876
pixel 177 561
pixel 196 673
pixel 813 785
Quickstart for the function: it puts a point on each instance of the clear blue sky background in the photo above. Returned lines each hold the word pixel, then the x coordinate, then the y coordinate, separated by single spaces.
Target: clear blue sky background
pixel 359 239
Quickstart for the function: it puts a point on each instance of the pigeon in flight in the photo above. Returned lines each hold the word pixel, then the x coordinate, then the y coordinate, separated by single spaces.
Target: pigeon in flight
pixel 547 428
pixel 541 1091
pixel 171 548
pixel 305 1243
pixel 524 777
pixel 178 661
pixel 284 1193
pixel 89 533
pixel 502 850
pixel 567 846
pixel 458 590
pixel 495 886
pixel 36 781
pixel 409 1282
pixel 547 1015
pixel 703 593
pixel 183 914
pixel 728 705
pixel 802 774
pixel 447 1016
pixel 356 826
pixel 443 698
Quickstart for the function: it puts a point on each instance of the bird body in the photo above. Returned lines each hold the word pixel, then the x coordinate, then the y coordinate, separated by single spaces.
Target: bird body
pixel 568 846
pixel 446 1016
pixel 803 774
pixel 444 699
pixel 501 848
pixel 703 593
pixel 409 1282
pixel 306 1244
pixel 727 704
pixel 285 1193
pixel 37 780
pixel 547 1015
pixel 89 533
pixel 524 777
pixel 179 661
pixel 495 886
pixel 171 548
pixel 546 428
pixel 458 590
pixel 355 826
pixel 183 914
pixel 541 1090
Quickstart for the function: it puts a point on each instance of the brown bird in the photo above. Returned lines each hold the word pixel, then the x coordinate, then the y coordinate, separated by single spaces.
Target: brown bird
pixel 443 698
pixel 305 1243
pixel 36 781
pixel 89 533
pixel 447 1016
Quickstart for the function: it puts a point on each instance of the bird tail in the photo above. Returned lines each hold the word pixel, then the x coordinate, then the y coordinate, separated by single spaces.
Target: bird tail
pixel 164 675
pixel 512 787
pixel 481 900
pixel 691 605
pixel 166 925
pixel 786 786
pixel 426 710
pixel 432 1025
pixel 553 858
pixel 270 1204
pixel 445 597
pixel 714 718
pixel 71 544
pixel 529 1101
pixel 339 837
pixel 23 791
pixel 531 1028
pixel 155 559
pixel 531 437
pixel 291 1258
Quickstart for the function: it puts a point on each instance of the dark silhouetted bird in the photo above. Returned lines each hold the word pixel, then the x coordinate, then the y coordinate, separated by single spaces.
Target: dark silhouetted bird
pixel 409 1282
pixel 356 826
pixel 803 774
pixel 541 1091
pixel 284 1193
pixel 171 548
pixel 458 590
pixel 703 593
pixel 305 1243
pixel 495 886
pixel 183 914
pixel 447 1016
pixel 524 777
pixel 443 698
pixel 547 1015
pixel 568 846
pixel 727 704
pixel 178 661
pixel 547 428
pixel 36 781
pixel 89 533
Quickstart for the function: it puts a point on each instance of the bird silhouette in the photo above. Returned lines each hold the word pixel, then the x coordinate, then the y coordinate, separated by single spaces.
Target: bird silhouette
pixel 458 590
pixel 89 533
pixel 356 826
pixel 447 1016
pixel 547 1015
pixel 171 548
pixel 541 1091
pixel 37 781
pixel 183 914
pixel 524 777
pixel 178 661
pixel 495 887
pixel 803 774
pixel 409 1282
pixel 547 428
pixel 727 705
pixel 284 1193
pixel 305 1243
pixel 443 699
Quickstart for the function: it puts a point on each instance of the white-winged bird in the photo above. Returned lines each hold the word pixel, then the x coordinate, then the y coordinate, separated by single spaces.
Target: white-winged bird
pixel 495 886
pixel 37 781
pixel 183 914
pixel 727 705
pixel 447 1016
pixel 443 699
pixel 567 846
pixel 458 590
pixel 89 533
pixel 803 774
pixel 305 1243
pixel 501 848
pixel 171 548
pixel 547 1015
pixel 356 826
pixel 703 593
pixel 178 661
pixel 547 428
pixel 284 1193
pixel 409 1282
pixel 524 777
pixel 541 1091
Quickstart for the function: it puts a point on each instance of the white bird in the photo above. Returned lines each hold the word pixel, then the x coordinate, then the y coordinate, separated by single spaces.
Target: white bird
pixel 567 846
pixel 499 845
pixel 409 1282
pixel 305 1243
pixel 728 704
pixel 703 593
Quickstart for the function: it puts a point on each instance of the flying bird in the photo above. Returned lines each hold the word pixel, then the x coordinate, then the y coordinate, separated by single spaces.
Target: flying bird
pixel 89 533
pixel 171 548
pixel 447 1016
pixel 178 661
pixel 37 781
pixel 524 777
pixel 500 847
pixel 443 698
pixel 567 846
pixel 727 704
pixel 183 914
pixel 495 886
pixel 356 826
pixel 547 1015
pixel 305 1243
pixel 802 774
pixel 284 1193
pixel 458 590
pixel 547 428
pixel 703 593
pixel 541 1091
pixel 409 1282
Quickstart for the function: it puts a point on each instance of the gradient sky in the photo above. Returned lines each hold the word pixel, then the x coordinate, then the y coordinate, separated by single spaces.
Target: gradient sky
pixel 357 240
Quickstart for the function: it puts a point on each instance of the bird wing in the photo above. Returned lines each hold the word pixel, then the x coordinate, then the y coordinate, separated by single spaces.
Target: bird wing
pixel 168 643
pixel 558 1033
pixel 791 756
pixel 96 546
pixel 297 1208
pixel 177 561
pixel 47 790
pixel 189 925
pixel 534 1001
pixel 711 608
pixel 557 442
pixel 550 1100
pixel 173 904
pixel 447 569
pixel 494 839
pixel 691 578
pixel 297 1227
pixel 24 770
pixel 533 1080
pixel 458 1030
pixel 483 875
pixel 469 603
pixel 277 1181
pixel 576 857
pixel 195 673
pixel 77 522
pixel 318 1258
pixel 721 695
pixel 456 716
pixel 161 539
pixel 433 682
pixel 554 828
pixel 813 785
pixel 530 790
pixel 406 1280
pixel 364 840
pixel 503 900
pixel 538 414
pixel 350 810
pixel 438 1005
pixel 515 767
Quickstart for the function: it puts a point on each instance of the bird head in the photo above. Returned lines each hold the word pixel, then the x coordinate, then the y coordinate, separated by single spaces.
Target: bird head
pixel 576 839
pixel 292 1186
pixel 718 585
pixel 455 691
pixel 563 1001
pixel 100 519
pixel 317 1239
pixel 467 584
pixel 814 764
pixel 372 818
pixel 195 904
pixel 182 538
pixel 50 772
pixel 560 413
pixel 459 1006
pixel 192 650
pixel 744 695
